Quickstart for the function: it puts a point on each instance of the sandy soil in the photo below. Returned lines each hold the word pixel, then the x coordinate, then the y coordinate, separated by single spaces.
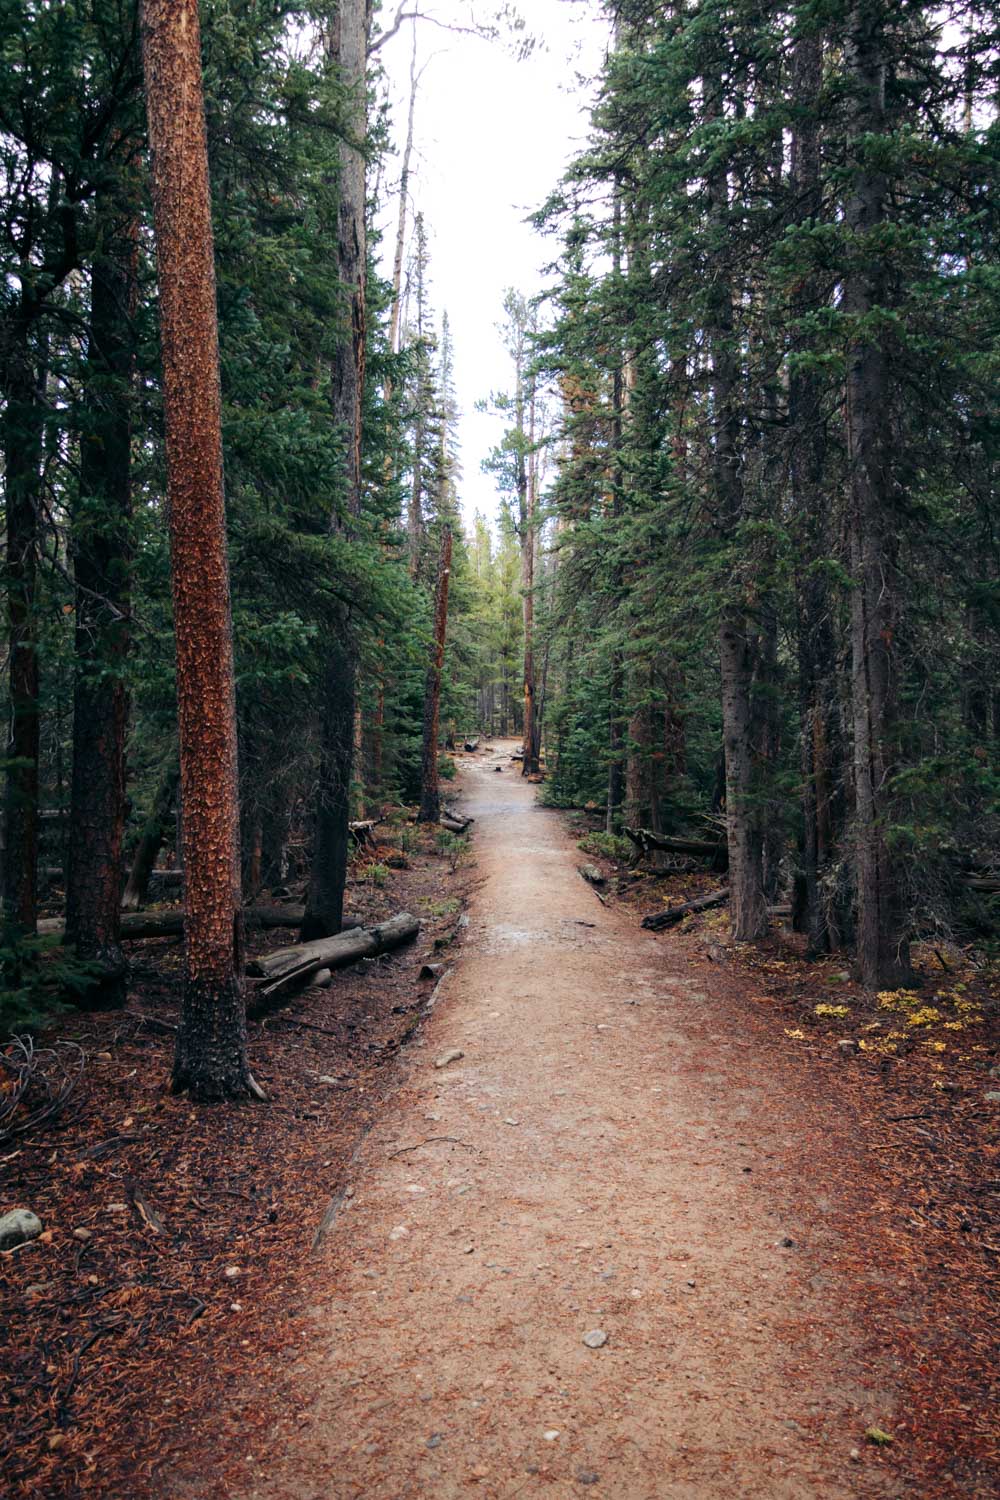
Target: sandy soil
pixel 606 1155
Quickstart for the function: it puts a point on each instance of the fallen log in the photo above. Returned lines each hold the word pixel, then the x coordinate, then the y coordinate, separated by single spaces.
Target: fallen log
pixel 291 965
pixel 454 822
pixel 989 884
pixel 645 840
pixel 362 832
pixel 472 745
pixel 592 874
pixel 169 921
pixel 660 919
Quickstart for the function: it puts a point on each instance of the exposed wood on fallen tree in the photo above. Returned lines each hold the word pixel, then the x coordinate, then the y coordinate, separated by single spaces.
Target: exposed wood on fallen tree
pixel 293 965
pixel 454 822
pixel 363 832
pixel 713 849
pixel 472 745
pixel 168 921
pixel 660 919
pixel 592 874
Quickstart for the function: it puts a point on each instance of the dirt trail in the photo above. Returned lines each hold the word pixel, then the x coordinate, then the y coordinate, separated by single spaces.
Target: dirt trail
pixel 616 1164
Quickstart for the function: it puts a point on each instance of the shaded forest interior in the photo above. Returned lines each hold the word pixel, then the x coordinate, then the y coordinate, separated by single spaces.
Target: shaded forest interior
pixel 738 606
pixel 742 590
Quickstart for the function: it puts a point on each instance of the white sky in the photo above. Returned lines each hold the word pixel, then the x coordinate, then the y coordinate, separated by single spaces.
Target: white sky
pixel 492 137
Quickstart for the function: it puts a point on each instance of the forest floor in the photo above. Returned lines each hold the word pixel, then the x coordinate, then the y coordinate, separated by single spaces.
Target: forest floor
pixel 786 1245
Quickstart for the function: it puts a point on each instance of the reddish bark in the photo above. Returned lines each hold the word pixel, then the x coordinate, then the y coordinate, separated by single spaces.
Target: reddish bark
pixel 210 1058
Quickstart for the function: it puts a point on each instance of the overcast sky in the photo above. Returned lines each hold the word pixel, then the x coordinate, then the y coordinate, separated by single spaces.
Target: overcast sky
pixel 492 138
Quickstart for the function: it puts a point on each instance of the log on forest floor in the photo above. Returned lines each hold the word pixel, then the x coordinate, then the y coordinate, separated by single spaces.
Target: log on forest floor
pixel 472 746
pixel 660 919
pixel 646 841
pixel 291 966
pixel 362 832
pixel 169 921
pixel 455 822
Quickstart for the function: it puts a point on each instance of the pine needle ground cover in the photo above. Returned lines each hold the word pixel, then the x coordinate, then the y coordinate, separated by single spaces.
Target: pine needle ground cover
pixel 175 1260
pixel 913 1070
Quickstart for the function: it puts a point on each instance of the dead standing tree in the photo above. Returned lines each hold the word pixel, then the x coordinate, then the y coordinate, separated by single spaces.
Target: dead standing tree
pixel 210 1058
pixel 430 796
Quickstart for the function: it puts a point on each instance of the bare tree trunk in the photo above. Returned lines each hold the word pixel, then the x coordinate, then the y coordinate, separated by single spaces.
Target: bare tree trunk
pixel 328 875
pixel 404 188
pixel 883 952
pixel 527 479
pixel 102 565
pixel 22 446
pixel 430 798
pixel 210 1059
pixel 151 841
pixel 748 910
pixel 819 717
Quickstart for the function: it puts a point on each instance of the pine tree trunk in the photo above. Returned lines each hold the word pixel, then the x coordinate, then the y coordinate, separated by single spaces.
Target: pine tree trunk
pixel 151 841
pixel 822 757
pixel 22 445
pixel 883 952
pixel 210 1059
pixel 527 482
pixel 747 907
pixel 404 189
pixel 102 565
pixel 325 899
pixel 430 798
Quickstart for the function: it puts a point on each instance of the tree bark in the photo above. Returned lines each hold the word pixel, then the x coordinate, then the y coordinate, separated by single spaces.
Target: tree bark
pixel 821 749
pixel 348 50
pixel 22 430
pixel 882 949
pixel 102 566
pixel 748 911
pixel 527 480
pixel 293 965
pixel 430 796
pixel 210 1059
pixel 151 840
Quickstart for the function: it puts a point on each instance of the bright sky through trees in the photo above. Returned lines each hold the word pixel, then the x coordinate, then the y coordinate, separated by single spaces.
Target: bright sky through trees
pixel 492 138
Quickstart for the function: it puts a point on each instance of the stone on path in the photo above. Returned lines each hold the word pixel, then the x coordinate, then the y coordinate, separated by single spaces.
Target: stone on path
pixel 455 1054
pixel 18 1227
pixel 595 1339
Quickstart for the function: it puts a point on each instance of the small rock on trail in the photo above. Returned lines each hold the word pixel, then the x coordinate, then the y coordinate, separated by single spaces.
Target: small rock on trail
pixel 18 1227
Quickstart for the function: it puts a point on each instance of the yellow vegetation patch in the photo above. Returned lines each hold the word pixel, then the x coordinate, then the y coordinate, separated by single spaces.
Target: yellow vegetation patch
pixel 926 1016
pixel 838 1011
pixel 898 999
